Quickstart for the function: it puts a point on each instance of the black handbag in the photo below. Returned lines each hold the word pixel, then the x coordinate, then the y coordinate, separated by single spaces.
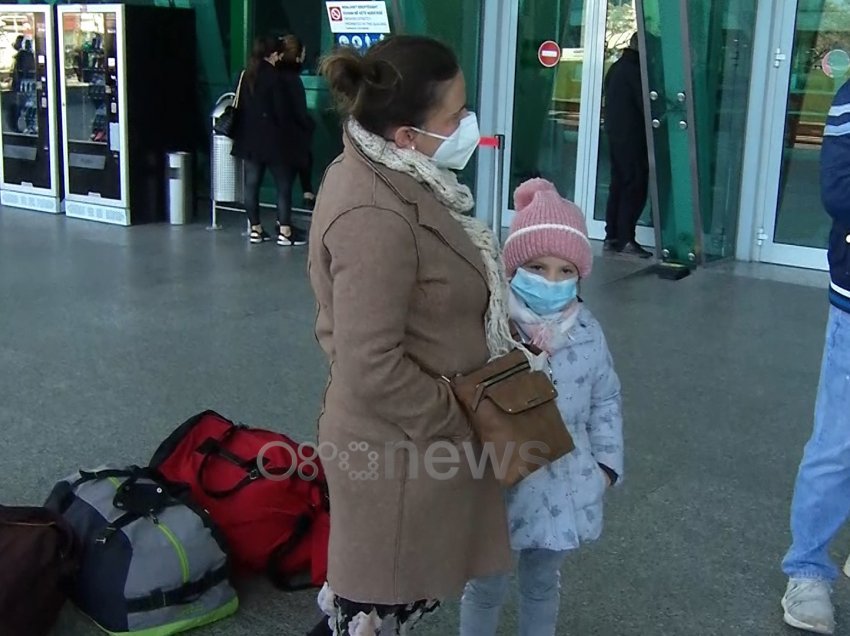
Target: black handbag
pixel 225 124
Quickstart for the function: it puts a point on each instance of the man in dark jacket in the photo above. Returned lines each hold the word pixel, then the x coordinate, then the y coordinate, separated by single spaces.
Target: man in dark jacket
pixel 821 502
pixel 626 128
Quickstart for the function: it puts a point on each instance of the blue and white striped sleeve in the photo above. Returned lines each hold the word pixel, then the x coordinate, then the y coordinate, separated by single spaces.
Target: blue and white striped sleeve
pixel 835 159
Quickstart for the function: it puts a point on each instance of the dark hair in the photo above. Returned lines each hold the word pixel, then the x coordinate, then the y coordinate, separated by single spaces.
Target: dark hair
pixel 398 82
pixel 291 48
pixel 264 46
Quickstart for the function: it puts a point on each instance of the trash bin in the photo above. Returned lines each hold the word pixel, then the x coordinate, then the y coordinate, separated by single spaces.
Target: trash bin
pixel 179 188
pixel 227 172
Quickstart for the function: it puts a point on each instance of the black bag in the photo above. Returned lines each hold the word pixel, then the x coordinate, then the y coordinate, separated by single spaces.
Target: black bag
pixel 41 557
pixel 225 124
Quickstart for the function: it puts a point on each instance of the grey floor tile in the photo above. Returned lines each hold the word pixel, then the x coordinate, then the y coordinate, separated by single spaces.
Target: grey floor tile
pixel 110 337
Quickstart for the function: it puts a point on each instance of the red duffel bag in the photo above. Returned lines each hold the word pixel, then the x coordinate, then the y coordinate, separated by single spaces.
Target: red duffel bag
pixel 267 495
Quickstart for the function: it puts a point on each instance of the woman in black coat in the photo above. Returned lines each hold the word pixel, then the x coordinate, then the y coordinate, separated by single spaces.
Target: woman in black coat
pixel 274 132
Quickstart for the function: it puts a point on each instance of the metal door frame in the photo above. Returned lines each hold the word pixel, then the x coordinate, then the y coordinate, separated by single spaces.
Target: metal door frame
pixel 497 80
pixel 763 160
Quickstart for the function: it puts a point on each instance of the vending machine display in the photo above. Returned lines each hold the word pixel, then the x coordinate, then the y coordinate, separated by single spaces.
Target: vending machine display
pixel 128 98
pixel 29 144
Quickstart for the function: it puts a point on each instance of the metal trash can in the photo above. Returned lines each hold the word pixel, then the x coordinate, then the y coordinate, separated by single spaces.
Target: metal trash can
pixel 227 172
pixel 179 188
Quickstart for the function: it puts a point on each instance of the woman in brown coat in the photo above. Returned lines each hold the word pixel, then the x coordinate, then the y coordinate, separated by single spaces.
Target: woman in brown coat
pixel 409 290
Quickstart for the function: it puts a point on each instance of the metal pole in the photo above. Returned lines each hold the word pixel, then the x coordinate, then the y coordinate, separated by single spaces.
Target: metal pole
pixel 214 216
pixel 499 182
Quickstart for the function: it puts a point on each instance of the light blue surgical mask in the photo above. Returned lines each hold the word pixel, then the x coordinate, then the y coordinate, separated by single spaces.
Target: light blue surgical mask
pixel 544 297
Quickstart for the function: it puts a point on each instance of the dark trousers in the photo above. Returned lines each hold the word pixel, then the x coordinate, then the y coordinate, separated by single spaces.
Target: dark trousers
pixel 283 175
pixel 305 175
pixel 628 192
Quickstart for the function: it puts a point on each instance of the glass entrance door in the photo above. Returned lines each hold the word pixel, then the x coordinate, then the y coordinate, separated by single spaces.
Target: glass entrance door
pixel 620 28
pixel 557 77
pixel 810 61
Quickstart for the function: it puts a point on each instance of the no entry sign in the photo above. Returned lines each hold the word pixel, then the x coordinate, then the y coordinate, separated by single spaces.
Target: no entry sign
pixel 549 54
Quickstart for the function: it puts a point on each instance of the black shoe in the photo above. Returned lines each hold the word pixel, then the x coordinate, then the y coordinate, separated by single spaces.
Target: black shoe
pixel 295 238
pixel 258 236
pixel 633 249
pixel 611 245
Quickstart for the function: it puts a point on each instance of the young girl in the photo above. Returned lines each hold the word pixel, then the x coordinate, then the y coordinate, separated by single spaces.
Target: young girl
pixel 559 507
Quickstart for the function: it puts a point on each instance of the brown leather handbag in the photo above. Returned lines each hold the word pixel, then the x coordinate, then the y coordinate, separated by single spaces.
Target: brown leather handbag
pixel 512 409
pixel 40 559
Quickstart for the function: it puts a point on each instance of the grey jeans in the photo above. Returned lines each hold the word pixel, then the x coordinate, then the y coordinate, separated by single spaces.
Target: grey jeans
pixel 539 578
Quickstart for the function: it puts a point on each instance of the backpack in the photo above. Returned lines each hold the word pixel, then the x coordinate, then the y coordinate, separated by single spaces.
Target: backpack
pixel 152 561
pixel 40 558
pixel 275 518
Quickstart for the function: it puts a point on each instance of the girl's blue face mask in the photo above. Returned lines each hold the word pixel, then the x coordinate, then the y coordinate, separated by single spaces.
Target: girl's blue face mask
pixel 542 296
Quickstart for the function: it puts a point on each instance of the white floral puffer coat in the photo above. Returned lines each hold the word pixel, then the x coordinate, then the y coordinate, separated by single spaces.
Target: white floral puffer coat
pixel 560 506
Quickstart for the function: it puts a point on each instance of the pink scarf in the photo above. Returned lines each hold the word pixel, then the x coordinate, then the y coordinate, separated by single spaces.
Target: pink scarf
pixel 550 333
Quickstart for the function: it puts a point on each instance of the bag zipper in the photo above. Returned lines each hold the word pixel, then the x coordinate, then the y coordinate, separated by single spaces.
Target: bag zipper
pixel 178 548
pixel 170 536
pixel 504 375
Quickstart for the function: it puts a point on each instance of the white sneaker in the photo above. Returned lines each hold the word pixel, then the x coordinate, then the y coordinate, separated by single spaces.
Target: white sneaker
pixel 808 606
pixel 847 567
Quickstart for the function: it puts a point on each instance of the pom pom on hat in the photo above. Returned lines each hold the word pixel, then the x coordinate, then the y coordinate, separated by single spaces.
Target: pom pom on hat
pixel 524 194
pixel 546 225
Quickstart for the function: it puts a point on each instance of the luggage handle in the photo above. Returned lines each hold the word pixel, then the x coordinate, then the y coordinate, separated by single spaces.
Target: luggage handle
pixel 302 528
pixel 213 448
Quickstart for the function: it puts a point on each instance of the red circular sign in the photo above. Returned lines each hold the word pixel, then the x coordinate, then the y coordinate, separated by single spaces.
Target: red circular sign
pixel 549 54
pixel 336 14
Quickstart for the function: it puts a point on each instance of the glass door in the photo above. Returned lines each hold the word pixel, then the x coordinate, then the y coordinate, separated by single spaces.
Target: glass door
pixel 556 66
pixel 618 47
pixel 810 62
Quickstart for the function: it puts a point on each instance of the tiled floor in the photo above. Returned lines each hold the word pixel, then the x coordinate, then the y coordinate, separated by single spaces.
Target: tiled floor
pixel 110 337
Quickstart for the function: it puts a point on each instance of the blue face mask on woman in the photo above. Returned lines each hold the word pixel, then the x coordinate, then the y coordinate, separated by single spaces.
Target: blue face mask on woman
pixel 542 296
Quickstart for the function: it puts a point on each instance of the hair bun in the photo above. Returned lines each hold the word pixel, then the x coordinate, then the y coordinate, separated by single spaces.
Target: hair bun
pixel 525 193
pixel 345 72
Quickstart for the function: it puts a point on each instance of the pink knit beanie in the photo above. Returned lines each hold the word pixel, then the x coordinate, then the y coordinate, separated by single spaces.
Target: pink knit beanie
pixel 546 225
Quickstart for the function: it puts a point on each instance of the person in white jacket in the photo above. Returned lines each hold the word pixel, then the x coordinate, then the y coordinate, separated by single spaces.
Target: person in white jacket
pixel 559 507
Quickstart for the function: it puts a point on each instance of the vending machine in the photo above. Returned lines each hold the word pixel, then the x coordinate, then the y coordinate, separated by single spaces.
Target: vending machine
pixel 129 90
pixel 29 141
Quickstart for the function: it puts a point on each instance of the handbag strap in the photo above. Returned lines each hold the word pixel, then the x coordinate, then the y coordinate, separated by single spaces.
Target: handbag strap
pixel 238 90
pixel 303 525
pixel 215 448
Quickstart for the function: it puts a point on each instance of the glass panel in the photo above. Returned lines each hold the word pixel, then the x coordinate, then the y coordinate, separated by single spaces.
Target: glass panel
pixel 620 26
pixel 90 54
pixel 23 99
pixel 721 34
pixel 86 76
pixel 819 66
pixel 452 21
pixel 672 141
pixel 547 101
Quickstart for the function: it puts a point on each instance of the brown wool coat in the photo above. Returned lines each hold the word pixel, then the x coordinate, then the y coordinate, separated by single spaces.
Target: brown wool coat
pixel 402 296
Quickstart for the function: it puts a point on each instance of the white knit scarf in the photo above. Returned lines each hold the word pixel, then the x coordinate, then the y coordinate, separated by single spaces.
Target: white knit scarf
pixel 458 199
